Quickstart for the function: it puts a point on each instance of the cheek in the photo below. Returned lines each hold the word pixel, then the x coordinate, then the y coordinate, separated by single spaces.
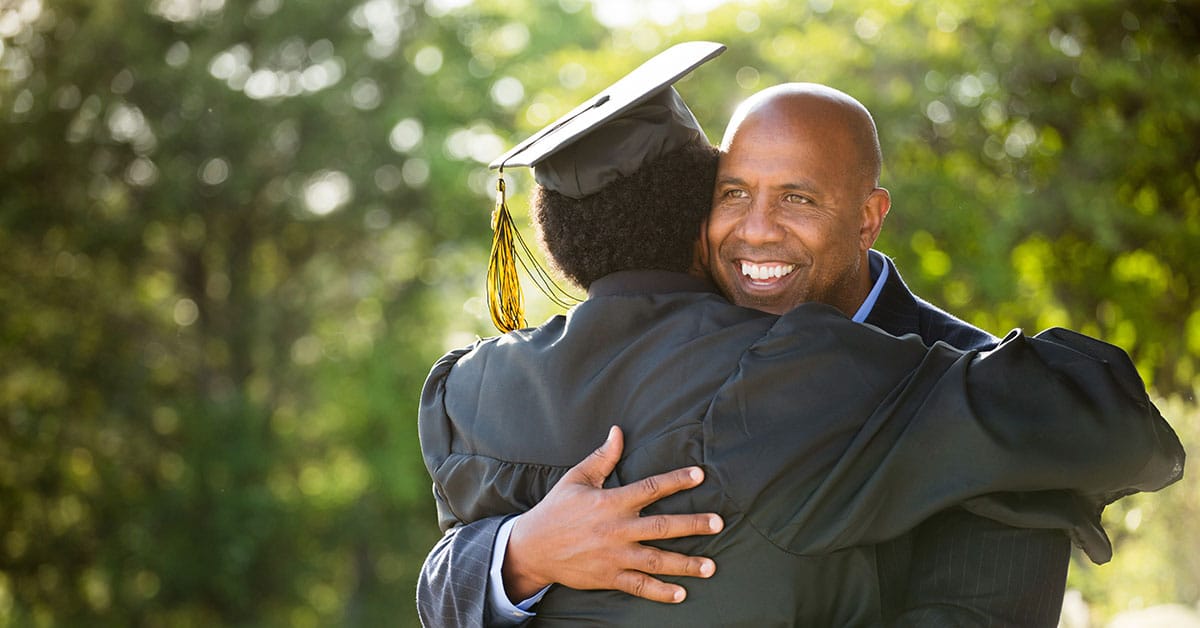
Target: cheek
pixel 828 245
pixel 814 235
pixel 716 232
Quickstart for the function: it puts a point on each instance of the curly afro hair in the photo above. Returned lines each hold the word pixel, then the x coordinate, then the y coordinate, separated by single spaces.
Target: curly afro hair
pixel 649 220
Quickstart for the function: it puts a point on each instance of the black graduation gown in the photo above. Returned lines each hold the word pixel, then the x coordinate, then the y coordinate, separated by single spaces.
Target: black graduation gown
pixel 818 435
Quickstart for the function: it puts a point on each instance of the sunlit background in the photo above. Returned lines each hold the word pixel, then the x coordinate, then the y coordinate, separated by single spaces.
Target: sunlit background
pixel 235 235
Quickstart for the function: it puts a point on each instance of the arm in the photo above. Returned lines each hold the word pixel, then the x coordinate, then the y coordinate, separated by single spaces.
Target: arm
pixel 1039 433
pixel 452 588
pixel 969 570
pixel 581 535
pixel 586 537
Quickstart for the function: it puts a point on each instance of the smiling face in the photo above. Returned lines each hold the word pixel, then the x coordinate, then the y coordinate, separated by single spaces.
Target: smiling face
pixel 795 207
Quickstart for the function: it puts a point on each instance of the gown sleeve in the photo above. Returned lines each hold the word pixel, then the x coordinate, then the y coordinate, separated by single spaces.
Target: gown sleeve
pixel 468 487
pixel 1040 432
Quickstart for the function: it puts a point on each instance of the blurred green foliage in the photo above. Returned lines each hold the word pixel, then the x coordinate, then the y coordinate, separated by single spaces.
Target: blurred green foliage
pixel 235 235
pixel 1156 543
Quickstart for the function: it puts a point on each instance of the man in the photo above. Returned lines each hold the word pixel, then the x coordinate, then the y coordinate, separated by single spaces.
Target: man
pixel 797 190
pixel 770 280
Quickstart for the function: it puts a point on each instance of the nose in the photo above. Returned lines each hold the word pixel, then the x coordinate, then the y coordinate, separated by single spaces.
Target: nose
pixel 760 225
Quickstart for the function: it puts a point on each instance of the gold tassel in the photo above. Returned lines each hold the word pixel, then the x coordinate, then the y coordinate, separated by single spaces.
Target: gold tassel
pixel 505 301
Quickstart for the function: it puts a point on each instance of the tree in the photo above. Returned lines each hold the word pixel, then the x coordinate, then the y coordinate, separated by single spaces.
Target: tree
pixel 236 235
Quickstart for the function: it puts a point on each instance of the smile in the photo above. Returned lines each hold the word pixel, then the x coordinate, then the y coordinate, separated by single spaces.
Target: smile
pixel 762 272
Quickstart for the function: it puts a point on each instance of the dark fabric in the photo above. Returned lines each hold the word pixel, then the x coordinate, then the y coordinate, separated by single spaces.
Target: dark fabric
pixel 975 572
pixel 461 556
pixel 619 147
pixel 898 312
pixel 817 440
pixel 960 569
pixel 450 588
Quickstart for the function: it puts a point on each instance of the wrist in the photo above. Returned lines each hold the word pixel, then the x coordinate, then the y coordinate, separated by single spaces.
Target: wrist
pixel 521 579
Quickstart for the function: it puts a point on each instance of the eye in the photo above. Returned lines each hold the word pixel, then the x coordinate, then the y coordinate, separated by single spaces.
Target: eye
pixel 799 199
pixel 735 193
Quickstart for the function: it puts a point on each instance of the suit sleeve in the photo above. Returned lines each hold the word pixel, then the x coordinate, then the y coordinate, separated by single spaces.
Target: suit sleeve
pixel 967 570
pixel 452 588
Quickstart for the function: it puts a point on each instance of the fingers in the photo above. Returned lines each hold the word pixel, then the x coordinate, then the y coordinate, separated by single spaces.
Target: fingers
pixel 637 581
pixel 643 586
pixel 649 490
pixel 657 527
pixel 600 463
pixel 659 562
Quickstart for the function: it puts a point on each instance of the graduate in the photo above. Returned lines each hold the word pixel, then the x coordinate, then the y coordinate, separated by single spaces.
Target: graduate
pixel 819 436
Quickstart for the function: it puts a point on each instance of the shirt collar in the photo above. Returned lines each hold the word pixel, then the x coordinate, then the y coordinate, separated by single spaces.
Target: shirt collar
pixel 879 270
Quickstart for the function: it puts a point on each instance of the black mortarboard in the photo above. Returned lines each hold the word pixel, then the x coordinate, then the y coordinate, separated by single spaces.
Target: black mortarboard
pixel 634 121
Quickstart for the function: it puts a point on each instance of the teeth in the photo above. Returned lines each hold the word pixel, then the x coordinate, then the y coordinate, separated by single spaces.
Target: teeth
pixel 760 272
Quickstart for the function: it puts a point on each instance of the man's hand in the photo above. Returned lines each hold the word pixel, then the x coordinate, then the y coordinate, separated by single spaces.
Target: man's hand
pixel 587 537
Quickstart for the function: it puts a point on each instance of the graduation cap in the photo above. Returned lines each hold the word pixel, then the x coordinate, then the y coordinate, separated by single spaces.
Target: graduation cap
pixel 634 121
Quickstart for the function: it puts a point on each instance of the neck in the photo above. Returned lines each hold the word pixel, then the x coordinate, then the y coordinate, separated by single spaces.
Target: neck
pixel 859 287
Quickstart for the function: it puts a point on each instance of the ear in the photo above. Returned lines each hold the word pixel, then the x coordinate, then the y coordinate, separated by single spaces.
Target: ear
pixel 874 210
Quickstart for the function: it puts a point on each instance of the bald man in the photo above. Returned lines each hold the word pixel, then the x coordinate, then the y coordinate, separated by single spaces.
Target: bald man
pixel 796 209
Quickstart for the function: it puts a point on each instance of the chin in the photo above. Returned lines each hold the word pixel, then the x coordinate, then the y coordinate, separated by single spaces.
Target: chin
pixel 761 303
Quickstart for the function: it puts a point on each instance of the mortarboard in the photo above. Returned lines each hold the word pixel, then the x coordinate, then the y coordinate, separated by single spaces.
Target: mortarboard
pixel 634 121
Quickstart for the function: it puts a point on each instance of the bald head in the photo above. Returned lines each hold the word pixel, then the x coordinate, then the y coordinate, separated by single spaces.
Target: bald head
pixel 816 113
pixel 797 203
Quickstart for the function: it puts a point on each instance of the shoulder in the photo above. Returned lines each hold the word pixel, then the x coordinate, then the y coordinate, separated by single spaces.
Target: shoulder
pixel 475 356
pixel 938 324
pixel 898 311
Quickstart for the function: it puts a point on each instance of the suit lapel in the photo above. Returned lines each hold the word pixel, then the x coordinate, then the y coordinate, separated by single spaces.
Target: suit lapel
pixel 896 310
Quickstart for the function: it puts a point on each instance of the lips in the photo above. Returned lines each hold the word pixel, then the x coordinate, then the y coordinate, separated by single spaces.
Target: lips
pixel 766 271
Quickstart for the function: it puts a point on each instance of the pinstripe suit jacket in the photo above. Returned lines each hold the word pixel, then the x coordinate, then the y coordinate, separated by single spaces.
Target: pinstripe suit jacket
pixel 954 570
pixel 959 569
pixel 452 587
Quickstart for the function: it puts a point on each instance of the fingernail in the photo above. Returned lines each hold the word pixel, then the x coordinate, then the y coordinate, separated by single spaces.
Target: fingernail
pixel 707 568
pixel 696 474
pixel 679 595
pixel 715 523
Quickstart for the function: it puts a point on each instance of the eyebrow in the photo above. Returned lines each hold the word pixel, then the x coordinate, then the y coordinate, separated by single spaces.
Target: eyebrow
pixel 800 185
pixel 727 180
